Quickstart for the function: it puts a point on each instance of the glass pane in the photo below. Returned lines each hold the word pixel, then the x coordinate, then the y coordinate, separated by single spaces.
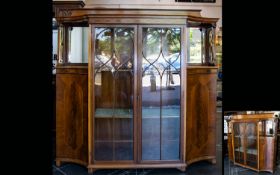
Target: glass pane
pixel 267 128
pixel 161 87
pixel 251 145
pixel 239 134
pixel 78 45
pixel 54 47
pixel 195 45
pixel 114 54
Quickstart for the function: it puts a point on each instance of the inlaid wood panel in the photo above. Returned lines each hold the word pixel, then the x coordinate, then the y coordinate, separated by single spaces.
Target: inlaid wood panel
pixel 71 116
pixel 201 114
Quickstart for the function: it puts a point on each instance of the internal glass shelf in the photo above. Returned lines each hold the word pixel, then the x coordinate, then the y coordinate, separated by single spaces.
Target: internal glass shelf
pixel 147 112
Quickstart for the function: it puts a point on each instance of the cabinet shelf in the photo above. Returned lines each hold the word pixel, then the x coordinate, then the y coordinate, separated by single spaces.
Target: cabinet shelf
pixel 167 112
pixel 248 150
pixel 113 141
pixel 248 137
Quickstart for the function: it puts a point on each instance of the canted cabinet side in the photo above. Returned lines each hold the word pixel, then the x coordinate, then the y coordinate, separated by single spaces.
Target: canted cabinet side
pixel 201 115
pixel 71 115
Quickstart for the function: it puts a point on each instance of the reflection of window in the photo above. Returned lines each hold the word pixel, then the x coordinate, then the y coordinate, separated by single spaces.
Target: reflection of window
pixel 195 45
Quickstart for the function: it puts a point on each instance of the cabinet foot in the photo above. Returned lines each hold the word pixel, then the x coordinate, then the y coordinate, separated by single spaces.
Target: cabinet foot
pixel 213 161
pixel 183 169
pixel 91 170
pixel 58 163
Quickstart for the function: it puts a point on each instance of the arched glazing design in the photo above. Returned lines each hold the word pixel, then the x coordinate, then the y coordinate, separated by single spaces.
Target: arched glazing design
pixel 161 87
pixel 113 77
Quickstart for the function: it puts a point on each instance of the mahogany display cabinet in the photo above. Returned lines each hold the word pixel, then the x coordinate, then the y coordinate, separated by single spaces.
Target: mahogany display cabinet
pixel 252 141
pixel 135 88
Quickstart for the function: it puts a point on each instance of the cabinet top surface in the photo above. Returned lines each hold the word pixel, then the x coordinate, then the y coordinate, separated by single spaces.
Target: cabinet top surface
pixel 253 116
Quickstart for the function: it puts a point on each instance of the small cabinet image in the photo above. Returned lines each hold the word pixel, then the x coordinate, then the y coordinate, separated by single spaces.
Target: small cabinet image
pixel 253 141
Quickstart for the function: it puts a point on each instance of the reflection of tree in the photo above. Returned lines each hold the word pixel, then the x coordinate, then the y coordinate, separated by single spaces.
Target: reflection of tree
pixel 103 43
pixel 115 40
pixel 195 43
pixel 115 44
pixel 173 40
pixel 170 39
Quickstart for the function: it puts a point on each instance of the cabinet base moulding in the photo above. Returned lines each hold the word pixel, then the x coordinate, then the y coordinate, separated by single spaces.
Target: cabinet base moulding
pixel 59 161
pixel 180 166
pixel 212 159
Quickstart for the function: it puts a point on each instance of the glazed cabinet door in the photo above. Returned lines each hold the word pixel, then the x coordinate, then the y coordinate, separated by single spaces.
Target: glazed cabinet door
pixel 246 144
pixel 114 93
pixel 251 141
pixel 160 88
pixel 239 142
pixel 137 94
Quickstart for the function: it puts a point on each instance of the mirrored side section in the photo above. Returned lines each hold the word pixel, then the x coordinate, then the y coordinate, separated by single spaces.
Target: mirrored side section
pixel 73 44
pixel 54 44
pixel 201 41
pixel 196 46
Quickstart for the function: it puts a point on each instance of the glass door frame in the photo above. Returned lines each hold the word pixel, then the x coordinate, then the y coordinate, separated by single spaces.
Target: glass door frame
pixel 256 122
pixel 137 118
pixel 92 93
pixel 183 78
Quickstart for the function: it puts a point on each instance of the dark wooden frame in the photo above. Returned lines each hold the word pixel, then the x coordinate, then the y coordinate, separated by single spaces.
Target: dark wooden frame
pixel 91 78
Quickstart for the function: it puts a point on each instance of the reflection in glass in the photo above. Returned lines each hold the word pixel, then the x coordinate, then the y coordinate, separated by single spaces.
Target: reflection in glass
pixel 211 48
pixel 251 145
pixel 161 64
pixel 195 44
pixel 239 130
pixel 54 46
pixel 78 45
pixel 267 128
pixel 113 77
pixel 246 143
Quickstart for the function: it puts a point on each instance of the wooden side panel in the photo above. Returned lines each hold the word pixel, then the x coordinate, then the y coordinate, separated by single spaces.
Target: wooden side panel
pixel 72 116
pixel 267 150
pixel 201 114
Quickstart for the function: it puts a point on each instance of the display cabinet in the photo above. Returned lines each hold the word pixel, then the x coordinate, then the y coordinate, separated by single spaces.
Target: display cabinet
pixel 123 99
pixel 253 141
